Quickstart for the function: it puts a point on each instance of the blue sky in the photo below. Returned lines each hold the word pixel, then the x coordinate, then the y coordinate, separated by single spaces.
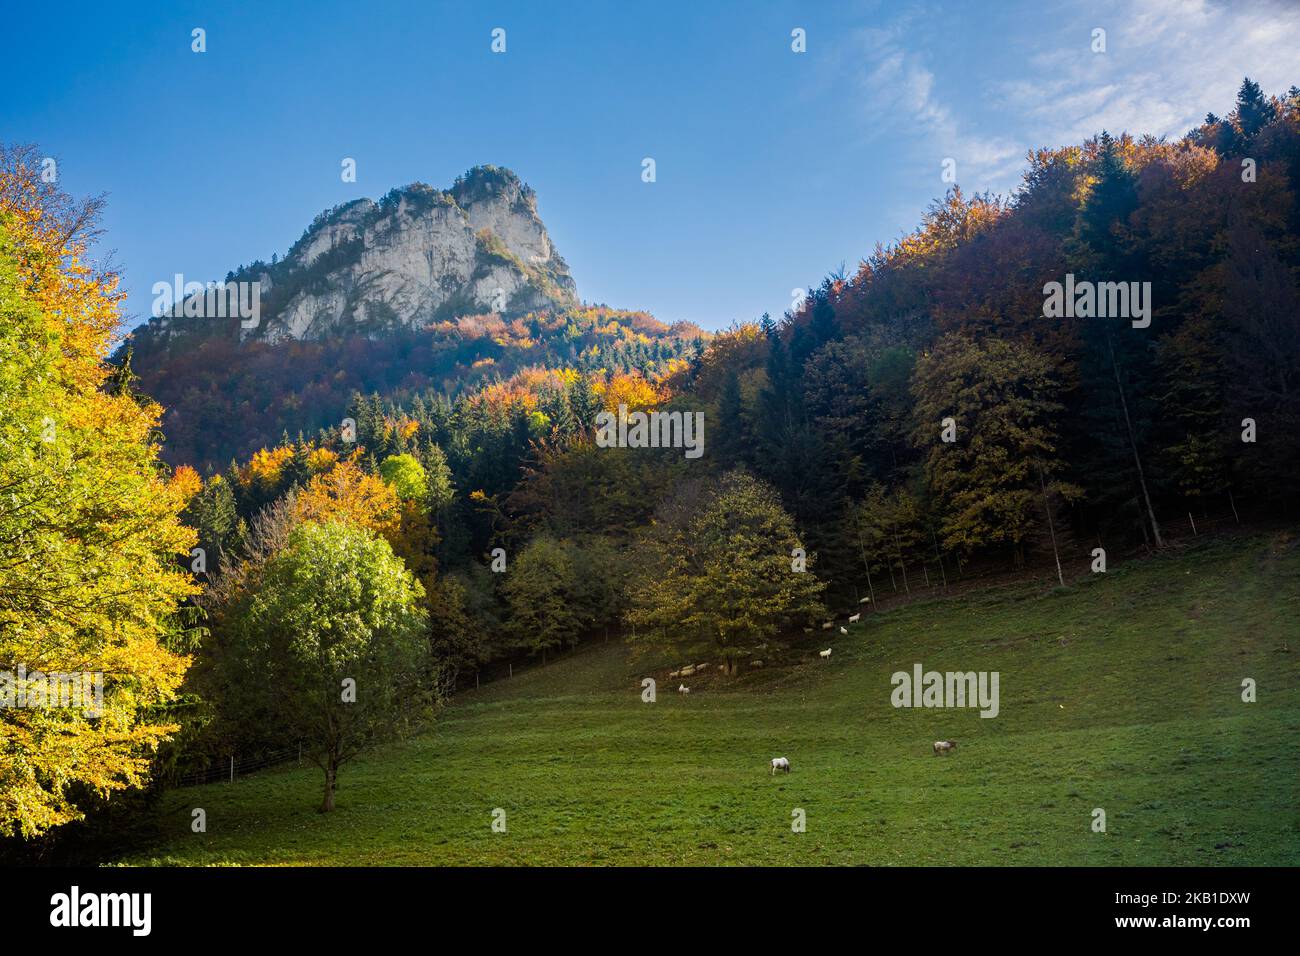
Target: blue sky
pixel 773 168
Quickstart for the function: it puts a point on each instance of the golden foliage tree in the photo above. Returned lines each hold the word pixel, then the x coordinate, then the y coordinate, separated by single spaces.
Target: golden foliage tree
pixel 346 493
pixel 987 415
pixel 89 529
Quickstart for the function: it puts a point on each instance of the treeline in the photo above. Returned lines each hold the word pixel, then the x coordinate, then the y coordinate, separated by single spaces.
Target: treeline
pixel 1106 427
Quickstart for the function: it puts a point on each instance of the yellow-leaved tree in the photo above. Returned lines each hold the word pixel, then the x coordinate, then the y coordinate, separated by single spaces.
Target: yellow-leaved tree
pixel 89 533
pixel 346 493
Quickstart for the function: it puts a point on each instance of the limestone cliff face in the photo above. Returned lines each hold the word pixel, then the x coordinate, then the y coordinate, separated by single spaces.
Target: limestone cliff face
pixel 419 255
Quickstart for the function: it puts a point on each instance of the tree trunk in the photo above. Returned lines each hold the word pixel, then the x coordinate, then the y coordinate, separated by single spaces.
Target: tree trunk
pixel 1050 526
pixel 901 565
pixel 1132 441
pixel 867 564
pixel 939 555
pixel 331 781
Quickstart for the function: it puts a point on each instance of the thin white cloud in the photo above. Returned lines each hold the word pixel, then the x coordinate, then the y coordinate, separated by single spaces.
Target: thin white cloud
pixel 896 82
pixel 1167 63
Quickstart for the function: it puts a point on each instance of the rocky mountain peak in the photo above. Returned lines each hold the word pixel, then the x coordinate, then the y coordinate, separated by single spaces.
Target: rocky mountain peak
pixel 417 256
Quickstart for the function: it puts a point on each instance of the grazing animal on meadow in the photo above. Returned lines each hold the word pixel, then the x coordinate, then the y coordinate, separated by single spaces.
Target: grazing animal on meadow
pixel 826 654
pixel 944 746
pixel 780 763
pixel 828 625
pixel 853 619
pixel 844 630
pixel 683 690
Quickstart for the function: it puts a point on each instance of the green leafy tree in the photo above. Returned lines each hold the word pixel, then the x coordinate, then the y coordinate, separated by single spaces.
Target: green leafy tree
pixel 600 573
pixel 406 476
pixel 720 573
pixel 541 593
pixel 334 638
pixel 458 641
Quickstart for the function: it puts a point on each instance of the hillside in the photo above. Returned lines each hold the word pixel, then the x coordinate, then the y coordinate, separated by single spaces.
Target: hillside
pixel 1121 692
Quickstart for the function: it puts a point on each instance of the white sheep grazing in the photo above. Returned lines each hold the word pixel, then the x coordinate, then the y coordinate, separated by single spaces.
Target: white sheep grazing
pixel 854 618
pixel 780 763
pixel 825 654
pixel 828 625
pixel 683 689
pixel 944 746
pixel 844 630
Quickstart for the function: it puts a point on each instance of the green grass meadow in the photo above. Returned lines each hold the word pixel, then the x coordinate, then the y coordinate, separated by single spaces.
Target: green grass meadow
pixel 1121 692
